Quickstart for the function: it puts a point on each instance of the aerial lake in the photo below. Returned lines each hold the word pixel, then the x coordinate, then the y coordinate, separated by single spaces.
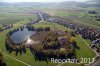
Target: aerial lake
pixel 22 35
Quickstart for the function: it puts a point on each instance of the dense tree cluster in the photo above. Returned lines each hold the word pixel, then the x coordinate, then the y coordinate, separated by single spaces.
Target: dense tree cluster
pixel 2 62
pixel 5 27
pixel 92 12
pixel 1 27
pixel 86 32
pixel 12 46
pixel 53 45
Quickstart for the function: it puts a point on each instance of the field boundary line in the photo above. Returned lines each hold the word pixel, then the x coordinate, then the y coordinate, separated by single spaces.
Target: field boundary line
pixel 14 58
pixel 92 50
pixel 88 45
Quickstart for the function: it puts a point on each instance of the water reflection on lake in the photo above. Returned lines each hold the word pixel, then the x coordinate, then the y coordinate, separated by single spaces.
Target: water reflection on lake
pixel 22 35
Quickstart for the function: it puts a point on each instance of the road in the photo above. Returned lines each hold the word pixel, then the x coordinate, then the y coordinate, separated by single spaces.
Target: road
pixel 41 17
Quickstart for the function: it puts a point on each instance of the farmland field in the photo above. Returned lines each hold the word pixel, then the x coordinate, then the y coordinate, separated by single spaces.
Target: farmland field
pixel 76 15
pixel 14 16
pixel 21 15
pixel 29 58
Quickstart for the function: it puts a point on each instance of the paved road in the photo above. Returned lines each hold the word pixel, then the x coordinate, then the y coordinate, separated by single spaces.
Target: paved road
pixel 41 17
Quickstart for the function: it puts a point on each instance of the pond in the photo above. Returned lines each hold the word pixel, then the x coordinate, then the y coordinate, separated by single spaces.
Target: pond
pixel 22 35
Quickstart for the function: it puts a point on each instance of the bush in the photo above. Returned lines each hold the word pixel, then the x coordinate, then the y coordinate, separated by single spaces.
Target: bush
pixel 92 12
pixel 97 19
pixel 72 33
pixel 2 63
pixel 39 29
pixel 47 28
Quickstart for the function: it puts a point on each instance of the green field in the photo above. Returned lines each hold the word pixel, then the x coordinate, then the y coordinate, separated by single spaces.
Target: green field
pixel 80 42
pixel 20 15
pixel 29 58
pixel 77 16
pixel 14 15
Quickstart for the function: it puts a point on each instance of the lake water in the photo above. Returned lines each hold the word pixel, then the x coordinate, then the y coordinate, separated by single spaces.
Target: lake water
pixel 22 35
